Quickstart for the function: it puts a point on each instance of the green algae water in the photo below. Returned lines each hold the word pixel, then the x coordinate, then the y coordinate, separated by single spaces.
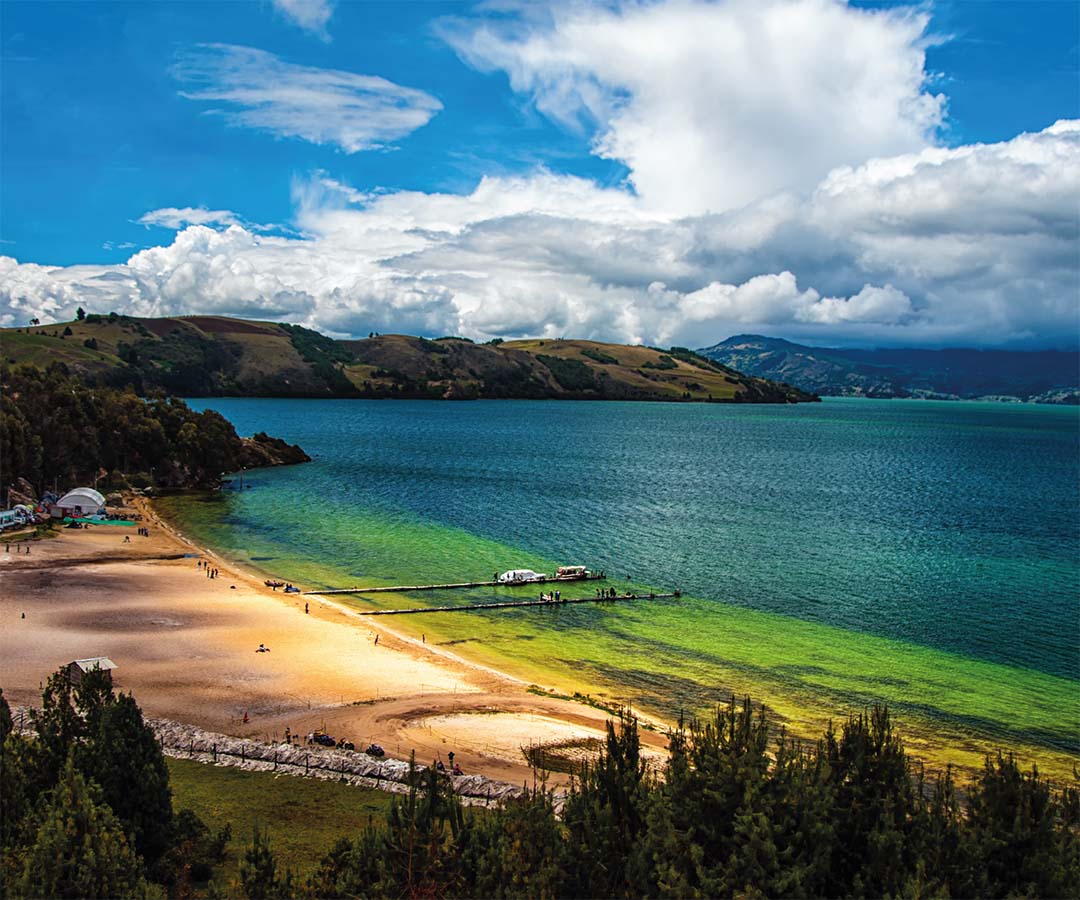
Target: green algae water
pixel 924 554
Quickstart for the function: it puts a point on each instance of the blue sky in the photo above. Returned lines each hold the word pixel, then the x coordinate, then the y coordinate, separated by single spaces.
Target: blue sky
pixel 577 122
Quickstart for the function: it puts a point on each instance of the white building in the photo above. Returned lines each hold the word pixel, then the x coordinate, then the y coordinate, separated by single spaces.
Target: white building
pixel 82 501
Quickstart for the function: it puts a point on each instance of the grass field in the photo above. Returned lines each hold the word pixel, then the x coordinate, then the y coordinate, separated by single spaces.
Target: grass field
pixel 303 816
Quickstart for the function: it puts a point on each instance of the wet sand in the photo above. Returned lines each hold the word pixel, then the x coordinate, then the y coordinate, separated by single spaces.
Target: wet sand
pixel 185 647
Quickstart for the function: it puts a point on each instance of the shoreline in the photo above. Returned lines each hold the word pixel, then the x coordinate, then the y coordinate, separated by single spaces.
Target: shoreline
pixel 403 693
pixel 184 645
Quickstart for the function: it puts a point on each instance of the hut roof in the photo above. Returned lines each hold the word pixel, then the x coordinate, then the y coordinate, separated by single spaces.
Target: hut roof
pixel 94 662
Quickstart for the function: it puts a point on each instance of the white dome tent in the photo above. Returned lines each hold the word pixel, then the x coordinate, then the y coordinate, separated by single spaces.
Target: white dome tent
pixel 81 501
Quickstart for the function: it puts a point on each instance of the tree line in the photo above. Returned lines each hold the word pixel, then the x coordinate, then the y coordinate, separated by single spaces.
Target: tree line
pixel 56 428
pixel 733 812
pixel 85 806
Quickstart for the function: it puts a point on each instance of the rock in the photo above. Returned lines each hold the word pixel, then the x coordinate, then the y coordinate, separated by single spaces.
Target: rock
pixel 262 450
pixel 114 499
pixel 16 496
pixel 22 491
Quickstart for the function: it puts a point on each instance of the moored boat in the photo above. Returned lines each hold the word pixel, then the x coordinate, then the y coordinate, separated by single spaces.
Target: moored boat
pixel 571 573
pixel 521 576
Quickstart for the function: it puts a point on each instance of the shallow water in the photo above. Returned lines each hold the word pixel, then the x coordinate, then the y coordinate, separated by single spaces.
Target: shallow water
pixel 835 554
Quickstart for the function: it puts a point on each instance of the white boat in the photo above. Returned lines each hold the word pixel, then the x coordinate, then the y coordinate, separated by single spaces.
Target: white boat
pixel 571 573
pixel 521 576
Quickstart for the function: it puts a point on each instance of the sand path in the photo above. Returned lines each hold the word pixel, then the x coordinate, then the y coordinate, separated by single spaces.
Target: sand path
pixel 185 647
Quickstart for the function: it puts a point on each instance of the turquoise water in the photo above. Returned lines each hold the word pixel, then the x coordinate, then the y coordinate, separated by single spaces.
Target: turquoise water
pixel 831 554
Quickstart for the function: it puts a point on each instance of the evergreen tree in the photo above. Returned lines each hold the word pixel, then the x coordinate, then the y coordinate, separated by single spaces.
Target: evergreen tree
pixel 874 804
pixel 1020 845
pixel 122 755
pixel 58 725
pixel 606 813
pixel 519 850
pixel 79 849
pixel 258 871
pixel 416 833
pixel 351 869
pixel 7 724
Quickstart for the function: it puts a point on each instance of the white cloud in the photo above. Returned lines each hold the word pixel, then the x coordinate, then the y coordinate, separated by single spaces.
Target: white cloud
pixel 311 15
pixel 171 217
pixel 970 246
pixel 323 106
pixel 716 105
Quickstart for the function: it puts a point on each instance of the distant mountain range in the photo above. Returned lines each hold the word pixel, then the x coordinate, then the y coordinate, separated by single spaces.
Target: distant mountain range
pixel 212 356
pixel 1044 376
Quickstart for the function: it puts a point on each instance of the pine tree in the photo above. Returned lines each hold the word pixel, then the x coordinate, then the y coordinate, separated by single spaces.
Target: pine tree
pixel 7 724
pixel 58 726
pixel 122 755
pixel 79 849
pixel 258 871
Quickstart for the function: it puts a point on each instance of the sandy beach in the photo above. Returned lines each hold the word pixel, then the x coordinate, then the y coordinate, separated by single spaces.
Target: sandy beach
pixel 185 646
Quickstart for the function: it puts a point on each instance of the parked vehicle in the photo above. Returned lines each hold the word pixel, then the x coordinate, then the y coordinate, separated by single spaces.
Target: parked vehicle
pixel 375 750
pixel 322 738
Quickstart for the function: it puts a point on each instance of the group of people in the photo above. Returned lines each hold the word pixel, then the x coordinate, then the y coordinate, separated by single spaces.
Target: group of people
pixel 18 549
pixel 455 769
pixel 206 567
pixel 144 532
pixel 553 597
pixel 605 593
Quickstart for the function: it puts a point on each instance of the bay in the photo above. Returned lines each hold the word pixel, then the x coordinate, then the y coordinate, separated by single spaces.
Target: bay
pixel 924 554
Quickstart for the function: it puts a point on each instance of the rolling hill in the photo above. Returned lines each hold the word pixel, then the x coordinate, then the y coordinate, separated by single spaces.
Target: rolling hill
pixel 1045 376
pixel 205 356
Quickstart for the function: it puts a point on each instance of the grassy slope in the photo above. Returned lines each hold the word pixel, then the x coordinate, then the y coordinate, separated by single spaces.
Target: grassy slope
pixel 209 355
pixel 303 816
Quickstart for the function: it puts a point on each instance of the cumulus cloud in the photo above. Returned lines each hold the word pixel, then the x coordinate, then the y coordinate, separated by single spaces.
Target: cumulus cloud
pixel 716 105
pixel 311 15
pixel 323 106
pixel 968 246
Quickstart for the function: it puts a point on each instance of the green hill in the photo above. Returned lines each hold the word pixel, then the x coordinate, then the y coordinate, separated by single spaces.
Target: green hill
pixel 206 356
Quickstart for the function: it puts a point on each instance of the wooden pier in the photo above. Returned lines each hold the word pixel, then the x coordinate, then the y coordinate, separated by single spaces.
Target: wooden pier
pixel 447 587
pixel 513 604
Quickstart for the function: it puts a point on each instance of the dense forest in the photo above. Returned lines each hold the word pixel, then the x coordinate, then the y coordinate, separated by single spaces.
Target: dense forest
pixel 734 812
pixel 57 429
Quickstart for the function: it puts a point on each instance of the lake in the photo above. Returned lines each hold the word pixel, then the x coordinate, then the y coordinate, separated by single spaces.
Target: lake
pixel 920 553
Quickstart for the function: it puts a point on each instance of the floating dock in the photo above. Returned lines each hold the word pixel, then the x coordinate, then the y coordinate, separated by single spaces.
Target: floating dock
pixel 512 604
pixel 447 587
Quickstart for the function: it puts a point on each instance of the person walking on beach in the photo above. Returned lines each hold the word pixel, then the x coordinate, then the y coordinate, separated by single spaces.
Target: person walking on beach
pixel 376 640
pixel 306 610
